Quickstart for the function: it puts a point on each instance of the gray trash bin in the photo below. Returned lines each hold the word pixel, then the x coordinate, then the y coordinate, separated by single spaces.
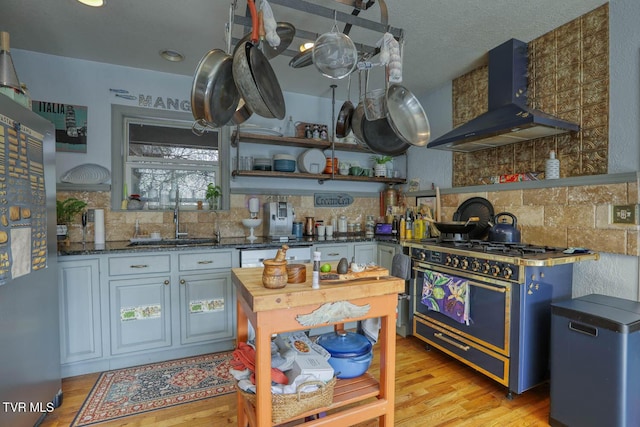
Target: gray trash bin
pixel 595 362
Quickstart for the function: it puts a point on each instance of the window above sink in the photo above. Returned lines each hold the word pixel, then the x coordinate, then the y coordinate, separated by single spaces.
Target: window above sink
pixel 155 152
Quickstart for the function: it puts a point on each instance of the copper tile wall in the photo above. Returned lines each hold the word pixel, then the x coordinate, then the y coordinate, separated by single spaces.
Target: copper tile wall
pixel 576 216
pixel 569 78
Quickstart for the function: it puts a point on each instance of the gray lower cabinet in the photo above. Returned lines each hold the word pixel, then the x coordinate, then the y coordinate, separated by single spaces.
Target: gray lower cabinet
pixel 80 309
pixel 207 304
pixel 365 253
pixel 386 252
pixel 119 310
pixel 140 314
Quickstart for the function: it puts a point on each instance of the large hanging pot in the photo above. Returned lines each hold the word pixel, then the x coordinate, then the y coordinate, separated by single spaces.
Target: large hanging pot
pixel 254 77
pixel 406 116
pixel 380 137
pixel 214 96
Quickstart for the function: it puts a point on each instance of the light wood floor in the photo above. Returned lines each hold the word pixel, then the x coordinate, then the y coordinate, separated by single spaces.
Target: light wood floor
pixel 432 389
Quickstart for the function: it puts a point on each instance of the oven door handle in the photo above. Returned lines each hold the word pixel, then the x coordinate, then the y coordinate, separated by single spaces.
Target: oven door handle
pixel 441 336
pixel 498 289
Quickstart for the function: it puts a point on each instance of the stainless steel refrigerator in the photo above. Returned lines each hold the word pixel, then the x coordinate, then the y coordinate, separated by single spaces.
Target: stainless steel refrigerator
pixel 30 384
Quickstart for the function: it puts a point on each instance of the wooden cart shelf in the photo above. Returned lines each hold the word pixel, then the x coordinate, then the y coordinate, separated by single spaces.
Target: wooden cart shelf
pixel 277 310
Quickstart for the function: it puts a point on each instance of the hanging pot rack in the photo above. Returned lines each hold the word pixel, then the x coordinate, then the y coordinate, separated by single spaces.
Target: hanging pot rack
pixel 350 19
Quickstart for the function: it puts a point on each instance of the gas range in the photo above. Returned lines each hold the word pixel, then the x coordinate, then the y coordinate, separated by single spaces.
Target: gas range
pixel 493 259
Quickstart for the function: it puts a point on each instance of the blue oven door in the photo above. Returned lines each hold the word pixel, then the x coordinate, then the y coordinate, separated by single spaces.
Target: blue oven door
pixel 436 294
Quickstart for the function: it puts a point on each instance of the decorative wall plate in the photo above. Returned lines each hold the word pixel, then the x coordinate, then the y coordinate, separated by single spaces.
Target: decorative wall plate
pixel 88 173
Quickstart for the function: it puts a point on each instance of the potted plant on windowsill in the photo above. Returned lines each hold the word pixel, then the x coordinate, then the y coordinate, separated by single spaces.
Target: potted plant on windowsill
pixel 212 196
pixel 66 211
pixel 381 165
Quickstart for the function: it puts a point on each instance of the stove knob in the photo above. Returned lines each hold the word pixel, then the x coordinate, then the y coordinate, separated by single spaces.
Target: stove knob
pixel 495 270
pixel 485 268
pixel 422 256
pixel 447 260
pixel 507 272
pixel 456 261
pixel 475 265
pixel 464 264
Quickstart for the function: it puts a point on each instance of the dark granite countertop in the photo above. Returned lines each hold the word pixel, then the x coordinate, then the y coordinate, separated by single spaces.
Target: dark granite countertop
pixel 231 242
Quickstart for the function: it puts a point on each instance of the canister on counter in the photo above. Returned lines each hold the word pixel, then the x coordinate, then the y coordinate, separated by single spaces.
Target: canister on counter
pixel 297 229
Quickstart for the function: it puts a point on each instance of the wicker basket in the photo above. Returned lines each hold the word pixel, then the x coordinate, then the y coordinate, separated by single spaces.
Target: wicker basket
pixel 285 406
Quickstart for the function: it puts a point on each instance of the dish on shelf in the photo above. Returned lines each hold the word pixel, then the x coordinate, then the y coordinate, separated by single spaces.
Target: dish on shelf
pixel 88 173
pixel 311 161
pixel 260 130
pixel 284 163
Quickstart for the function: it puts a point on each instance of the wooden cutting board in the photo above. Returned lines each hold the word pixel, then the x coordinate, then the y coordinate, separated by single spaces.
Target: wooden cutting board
pixel 374 271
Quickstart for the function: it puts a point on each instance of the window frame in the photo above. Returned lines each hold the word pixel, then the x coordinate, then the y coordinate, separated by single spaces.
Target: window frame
pixel 119 119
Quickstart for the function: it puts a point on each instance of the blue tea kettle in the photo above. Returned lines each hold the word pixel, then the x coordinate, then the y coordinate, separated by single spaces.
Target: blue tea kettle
pixel 504 231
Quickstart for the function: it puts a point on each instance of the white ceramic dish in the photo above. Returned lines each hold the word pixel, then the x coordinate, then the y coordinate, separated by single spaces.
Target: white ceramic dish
pixel 87 173
pixel 312 161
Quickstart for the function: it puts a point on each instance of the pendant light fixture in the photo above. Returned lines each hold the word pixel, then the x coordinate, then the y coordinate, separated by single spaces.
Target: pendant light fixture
pixel 93 3
pixel 8 76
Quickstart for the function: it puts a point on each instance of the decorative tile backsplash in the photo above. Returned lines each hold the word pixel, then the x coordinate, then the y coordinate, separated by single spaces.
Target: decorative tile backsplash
pixel 119 225
pixel 576 216
pixel 568 78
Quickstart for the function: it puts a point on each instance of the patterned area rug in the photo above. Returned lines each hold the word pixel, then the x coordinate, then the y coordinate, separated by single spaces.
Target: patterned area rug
pixel 144 388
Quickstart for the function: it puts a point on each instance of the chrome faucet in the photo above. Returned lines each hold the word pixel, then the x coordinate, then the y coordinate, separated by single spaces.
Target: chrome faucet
pixel 176 216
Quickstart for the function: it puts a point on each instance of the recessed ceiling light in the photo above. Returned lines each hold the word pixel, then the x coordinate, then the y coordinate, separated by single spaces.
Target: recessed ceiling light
pixel 306 46
pixel 93 3
pixel 171 55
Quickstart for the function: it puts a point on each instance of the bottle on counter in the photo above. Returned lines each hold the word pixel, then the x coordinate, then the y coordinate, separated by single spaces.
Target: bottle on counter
pixel 402 228
pixel 408 234
pixel 370 226
pixel 315 278
pixel 552 167
pixel 342 224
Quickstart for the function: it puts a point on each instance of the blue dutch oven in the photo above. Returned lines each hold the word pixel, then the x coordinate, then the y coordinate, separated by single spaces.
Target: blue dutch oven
pixel 351 353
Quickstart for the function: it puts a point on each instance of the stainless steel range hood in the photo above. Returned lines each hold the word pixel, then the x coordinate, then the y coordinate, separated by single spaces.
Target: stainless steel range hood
pixel 508 120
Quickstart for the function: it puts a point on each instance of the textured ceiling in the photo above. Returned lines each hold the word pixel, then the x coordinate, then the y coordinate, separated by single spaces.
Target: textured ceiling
pixel 443 38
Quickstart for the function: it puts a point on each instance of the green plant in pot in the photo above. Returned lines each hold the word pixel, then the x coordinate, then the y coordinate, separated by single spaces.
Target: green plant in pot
pixel 66 211
pixel 381 164
pixel 212 196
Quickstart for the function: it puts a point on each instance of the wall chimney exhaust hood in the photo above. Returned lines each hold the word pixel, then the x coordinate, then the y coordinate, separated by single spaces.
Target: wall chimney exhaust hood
pixel 508 120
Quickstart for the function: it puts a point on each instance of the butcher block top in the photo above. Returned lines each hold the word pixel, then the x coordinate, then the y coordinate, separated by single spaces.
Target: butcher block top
pixel 248 282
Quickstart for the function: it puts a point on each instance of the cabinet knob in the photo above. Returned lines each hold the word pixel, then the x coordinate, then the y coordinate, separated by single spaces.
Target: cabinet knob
pixel 182 281
pixel 166 282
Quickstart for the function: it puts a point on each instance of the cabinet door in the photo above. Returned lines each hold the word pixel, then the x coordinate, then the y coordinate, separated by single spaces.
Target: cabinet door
pixel 140 314
pixel 385 255
pixel 79 299
pixel 333 252
pixel 207 308
pixel 365 253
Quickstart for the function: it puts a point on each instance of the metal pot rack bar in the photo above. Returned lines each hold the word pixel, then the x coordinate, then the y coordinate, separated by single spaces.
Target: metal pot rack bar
pixel 350 19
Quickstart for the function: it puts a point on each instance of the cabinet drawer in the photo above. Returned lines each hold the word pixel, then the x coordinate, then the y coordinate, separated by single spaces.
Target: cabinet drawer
pixel 119 266
pixel 205 260
pixel 333 252
pixel 491 364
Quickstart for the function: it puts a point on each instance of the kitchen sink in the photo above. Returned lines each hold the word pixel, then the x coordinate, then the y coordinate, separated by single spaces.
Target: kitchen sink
pixel 174 242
